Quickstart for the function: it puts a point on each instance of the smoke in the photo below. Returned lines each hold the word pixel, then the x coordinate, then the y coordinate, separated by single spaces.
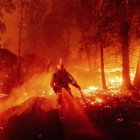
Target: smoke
pixel 36 86
pixel 76 119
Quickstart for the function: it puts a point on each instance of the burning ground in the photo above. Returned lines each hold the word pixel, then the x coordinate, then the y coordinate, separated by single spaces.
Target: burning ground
pixel 30 112
pixel 98 40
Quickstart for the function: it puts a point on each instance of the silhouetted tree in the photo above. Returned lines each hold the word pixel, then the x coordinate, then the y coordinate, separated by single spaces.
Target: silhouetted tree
pixel 8 62
pixel 5 6
pixel 136 24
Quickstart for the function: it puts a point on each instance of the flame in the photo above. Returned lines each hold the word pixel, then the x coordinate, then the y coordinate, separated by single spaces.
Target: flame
pixel 38 86
pixel 95 94
pixel 92 88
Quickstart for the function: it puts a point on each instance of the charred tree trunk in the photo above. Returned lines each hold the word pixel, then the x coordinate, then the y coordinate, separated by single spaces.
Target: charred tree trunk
pixel 102 68
pixel 136 82
pixel 68 46
pixel 126 84
pixel 87 49
pixel 19 45
pixel 94 59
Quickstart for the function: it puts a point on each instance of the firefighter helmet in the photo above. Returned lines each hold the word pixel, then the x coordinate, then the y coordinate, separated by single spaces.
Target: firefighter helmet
pixel 60 66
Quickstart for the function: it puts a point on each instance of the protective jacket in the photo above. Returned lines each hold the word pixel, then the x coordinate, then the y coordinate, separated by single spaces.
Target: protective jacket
pixel 62 79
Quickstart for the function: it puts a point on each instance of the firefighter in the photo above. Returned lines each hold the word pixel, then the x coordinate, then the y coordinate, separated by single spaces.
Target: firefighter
pixel 61 79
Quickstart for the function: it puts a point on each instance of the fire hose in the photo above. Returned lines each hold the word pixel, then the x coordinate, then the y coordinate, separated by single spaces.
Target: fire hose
pixel 83 97
pixel 84 100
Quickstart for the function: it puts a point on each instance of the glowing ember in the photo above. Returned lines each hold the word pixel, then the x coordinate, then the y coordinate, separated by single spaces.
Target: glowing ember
pixel 3 95
pixel 92 88
pixel 120 120
pixel 98 100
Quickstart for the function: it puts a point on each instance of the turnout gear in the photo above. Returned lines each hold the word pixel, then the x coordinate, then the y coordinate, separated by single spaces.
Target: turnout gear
pixel 62 79
pixel 60 82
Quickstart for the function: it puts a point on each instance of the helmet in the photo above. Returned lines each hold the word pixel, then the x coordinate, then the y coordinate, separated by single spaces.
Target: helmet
pixel 60 66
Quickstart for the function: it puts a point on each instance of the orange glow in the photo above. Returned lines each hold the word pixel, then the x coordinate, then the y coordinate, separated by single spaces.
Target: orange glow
pixel 38 86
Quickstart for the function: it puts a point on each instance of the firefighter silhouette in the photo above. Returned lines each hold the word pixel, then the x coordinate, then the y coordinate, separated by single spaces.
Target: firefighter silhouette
pixel 62 79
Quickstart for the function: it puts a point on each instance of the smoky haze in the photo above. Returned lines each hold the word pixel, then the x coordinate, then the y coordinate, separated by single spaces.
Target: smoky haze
pixel 71 30
pixel 44 32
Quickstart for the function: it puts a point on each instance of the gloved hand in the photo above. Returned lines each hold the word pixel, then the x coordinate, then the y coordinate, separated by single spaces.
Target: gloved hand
pixel 78 87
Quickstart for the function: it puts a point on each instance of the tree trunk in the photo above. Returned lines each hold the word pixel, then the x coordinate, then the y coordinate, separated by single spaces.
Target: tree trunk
pixel 19 45
pixel 136 82
pixel 102 68
pixel 87 49
pixel 94 59
pixel 68 46
pixel 126 83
